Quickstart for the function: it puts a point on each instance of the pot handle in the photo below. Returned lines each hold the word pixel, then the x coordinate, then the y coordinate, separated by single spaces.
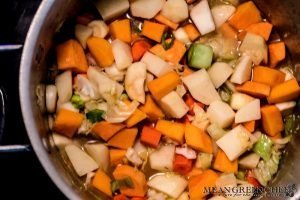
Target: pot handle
pixel 8 148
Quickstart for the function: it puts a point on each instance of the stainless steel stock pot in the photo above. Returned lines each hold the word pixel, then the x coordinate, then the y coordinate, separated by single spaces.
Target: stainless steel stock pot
pixel 284 14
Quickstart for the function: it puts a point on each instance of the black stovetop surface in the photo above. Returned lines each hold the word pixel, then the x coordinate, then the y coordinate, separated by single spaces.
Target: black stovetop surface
pixel 21 174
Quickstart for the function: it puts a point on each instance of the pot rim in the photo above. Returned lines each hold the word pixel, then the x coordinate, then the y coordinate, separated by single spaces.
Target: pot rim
pixel 25 100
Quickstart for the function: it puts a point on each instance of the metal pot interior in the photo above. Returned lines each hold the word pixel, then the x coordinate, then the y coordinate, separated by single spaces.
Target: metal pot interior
pixel 35 61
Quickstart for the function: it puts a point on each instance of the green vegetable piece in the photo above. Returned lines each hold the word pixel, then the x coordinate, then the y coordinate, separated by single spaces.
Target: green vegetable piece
pixel 292 124
pixel 263 147
pixel 200 56
pixel 241 175
pixel 126 182
pixel 95 115
pixel 225 93
pixel 115 186
pixel 77 102
pixel 168 40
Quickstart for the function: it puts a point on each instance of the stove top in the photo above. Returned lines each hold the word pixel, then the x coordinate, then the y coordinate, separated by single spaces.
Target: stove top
pixel 21 173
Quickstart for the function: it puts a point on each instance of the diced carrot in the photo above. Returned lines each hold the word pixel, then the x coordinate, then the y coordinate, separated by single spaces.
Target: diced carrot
pixel 84 19
pixel 173 130
pixel 161 86
pixel 70 55
pixel 173 55
pixel 120 197
pixel 182 165
pixel 263 29
pixel 276 53
pixel 101 181
pixel 135 118
pixel 120 29
pixel 150 136
pixel 254 89
pixel 162 19
pixel 286 91
pixel 197 139
pixel 268 76
pixel 198 184
pixel 194 172
pixel 67 122
pixel 124 139
pixel 191 31
pixel 228 31
pixel 106 130
pixel 116 156
pixel 139 48
pixel 271 120
pixel 245 15
pixel 190 102
pixel 151 109
pixel 138 178
pixel 250 126
pixel 101 50
pixel 223 164
pixel 153 31
pixel 138 198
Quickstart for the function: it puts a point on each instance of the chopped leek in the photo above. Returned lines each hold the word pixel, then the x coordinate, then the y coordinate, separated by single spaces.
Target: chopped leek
pixel 266 169
pixel 263 147
pixel 291 124
pixel 77 101
pixel 95 115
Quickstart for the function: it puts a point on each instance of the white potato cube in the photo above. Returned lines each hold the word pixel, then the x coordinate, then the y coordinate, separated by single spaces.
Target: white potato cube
pixel 175 10
pixel 220 113
pixel 171 184
pixel 135 80
pixel 109 9
pixel 100 29
pixel 219 73
pixel 235 142
pixel 242 71
pixel 250 161
pixel 145 8
pixel 255 46
pixel 122 54
pixel 222 13
pixel 174 105
pixel 80 160
pixel 100 153
pixel 249 112
pixel 63 83
pixel 82 33
pixel 162 158
pixel 201 87
pixel 202 17
pixel 181 35
pixel 239 100
pixel 155 64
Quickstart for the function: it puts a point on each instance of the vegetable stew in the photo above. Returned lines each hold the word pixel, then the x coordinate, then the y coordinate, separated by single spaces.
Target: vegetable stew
pixel 164 99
